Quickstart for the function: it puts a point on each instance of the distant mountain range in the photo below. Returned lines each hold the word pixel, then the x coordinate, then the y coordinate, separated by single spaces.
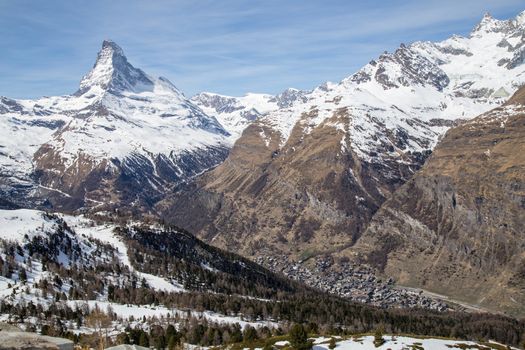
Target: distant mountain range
pixel 121 140
pixel 236 113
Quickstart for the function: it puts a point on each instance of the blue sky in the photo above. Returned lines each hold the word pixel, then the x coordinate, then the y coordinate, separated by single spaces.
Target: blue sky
pixel 225 46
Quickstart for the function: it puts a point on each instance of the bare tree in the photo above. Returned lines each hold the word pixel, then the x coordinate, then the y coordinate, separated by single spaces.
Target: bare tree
pixel 100 322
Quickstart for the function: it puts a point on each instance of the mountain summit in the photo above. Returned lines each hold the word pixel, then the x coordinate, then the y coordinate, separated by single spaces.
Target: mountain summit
pixel 112 72
pixel 489 24
pixel 123 137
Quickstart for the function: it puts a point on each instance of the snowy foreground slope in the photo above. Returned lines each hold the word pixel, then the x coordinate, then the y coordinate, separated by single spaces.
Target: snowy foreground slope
pixel 122 129
pixel 43 257
pixel 59 274
pixel 366 342
pixel 400 343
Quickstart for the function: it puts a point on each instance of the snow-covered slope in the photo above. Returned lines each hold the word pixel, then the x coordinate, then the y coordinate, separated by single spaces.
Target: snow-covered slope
pixel 24 225
pixel 402 342
pixel 120 121
pixel 236 113
pixel 177 261
pixel 418 90
pixel 55 262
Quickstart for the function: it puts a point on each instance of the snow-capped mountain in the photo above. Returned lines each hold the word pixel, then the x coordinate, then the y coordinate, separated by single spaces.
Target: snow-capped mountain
pixel 419 89
pixel 123 135
pixel 311 175
pixel 236 113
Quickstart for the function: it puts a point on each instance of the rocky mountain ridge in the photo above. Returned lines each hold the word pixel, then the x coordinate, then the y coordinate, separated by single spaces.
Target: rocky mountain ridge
pixel 236 113
pixel 307 178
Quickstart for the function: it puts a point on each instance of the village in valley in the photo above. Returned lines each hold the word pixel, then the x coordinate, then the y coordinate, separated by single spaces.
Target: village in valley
pixel 356 282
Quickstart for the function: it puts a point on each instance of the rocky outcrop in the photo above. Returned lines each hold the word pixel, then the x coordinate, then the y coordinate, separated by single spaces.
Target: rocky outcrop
pixel 31 341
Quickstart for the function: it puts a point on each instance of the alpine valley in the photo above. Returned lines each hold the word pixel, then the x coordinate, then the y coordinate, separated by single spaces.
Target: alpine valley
pixel 308 181
pixel 392 201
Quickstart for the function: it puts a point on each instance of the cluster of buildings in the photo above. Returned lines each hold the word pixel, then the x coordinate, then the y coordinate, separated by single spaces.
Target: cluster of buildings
pixel 353 281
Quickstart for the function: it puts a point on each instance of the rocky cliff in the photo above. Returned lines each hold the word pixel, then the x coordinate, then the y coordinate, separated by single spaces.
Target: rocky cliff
pixel 458 226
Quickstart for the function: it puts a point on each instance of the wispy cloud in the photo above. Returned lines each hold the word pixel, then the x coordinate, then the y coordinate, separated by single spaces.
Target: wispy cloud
pixel 228 46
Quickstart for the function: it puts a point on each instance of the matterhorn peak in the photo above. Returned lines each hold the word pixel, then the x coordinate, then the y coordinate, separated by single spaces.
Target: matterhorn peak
pixel 113 73
pixel 109 46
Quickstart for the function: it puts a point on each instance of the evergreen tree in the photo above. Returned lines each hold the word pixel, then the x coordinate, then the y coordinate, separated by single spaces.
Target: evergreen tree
pixel 378 338
pixel 299 338
pixel 171 331
pixel 143 340
pixel 267 346
pixel 249 334
pixel 123 338
pixel 159 342
pixel 23 275
pixel 236 334
pixel 172 342
pixel 332 343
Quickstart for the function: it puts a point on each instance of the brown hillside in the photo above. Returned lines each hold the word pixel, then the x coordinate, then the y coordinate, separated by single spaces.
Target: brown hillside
pixel 458 227
pixel 306 197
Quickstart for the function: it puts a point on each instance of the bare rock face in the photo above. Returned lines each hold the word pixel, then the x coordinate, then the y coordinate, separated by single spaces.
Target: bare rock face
pixel 414 69
pixel 458 227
